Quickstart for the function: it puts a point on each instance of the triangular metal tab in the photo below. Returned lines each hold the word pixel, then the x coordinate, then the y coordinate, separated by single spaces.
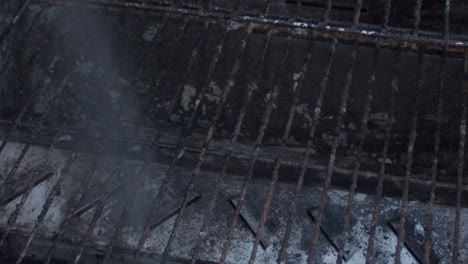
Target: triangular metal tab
pixel 251 213
pixel 332 226
pixel 415 237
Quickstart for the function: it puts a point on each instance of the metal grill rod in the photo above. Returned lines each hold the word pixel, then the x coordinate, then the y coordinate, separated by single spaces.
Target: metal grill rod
pixel 156 138
pixel 435 160
pixel 15 125
pixel 27 33
pixel 411 142
pixel 326 14
pixel 284 140
pixel 82 188
pixel 37 50
pixel 388 6
pixel 129 203
pixel 228 86
pixel 37 126
pixel 357 13
pixel 74 204
pixel 50 198
pixel 305 160
pixel 190 189
pixel 97 214
pixel 236 6
pixel 277 165
pixel 202 154
pixel 77 197
pixel 264 124
pixel 461 165
pixel 15 18
pixel 446 33
pixel 108 188
pixel 91 171
pixel 14 215
pixel 297 10
pixel 331 163
pixel 55 189
pixel 179 147
pixel 366 175
pixel 409 163
pixel 240 119
pixel 139 174
pixel 388 133
pixel 362 139
pixel 108 192
pixel 417 16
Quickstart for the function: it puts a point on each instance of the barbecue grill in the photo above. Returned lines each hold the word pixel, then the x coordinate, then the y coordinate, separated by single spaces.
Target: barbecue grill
pixel 213 131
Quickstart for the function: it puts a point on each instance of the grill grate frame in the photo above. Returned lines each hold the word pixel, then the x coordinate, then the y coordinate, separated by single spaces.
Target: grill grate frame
pixel 445 44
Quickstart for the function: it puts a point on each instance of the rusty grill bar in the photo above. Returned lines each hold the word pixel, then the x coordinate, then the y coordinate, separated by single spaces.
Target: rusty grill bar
pixel 366 33
pixel 283 152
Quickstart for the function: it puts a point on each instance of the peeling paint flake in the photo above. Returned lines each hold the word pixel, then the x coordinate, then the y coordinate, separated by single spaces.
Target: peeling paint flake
pixel 150 33
pixel 252 86
pixel 234 26
pixel 189 92
pixel 296 77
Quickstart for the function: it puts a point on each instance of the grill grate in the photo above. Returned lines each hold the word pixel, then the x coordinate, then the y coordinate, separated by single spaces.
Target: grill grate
pixel 145 165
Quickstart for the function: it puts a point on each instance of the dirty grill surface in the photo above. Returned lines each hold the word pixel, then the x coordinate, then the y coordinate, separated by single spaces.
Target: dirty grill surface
pixel 233 132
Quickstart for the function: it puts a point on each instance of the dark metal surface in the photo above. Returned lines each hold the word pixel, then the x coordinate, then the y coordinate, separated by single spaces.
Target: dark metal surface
pixel 151 115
